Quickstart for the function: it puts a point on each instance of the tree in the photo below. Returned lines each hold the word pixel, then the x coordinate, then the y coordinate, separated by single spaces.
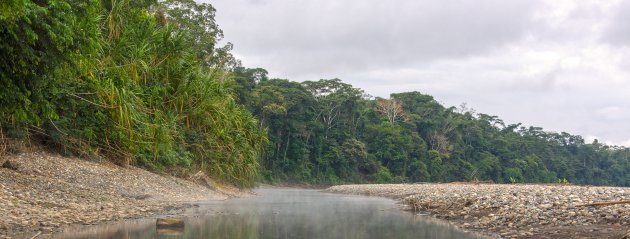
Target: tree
pixel 436 167
pixel 286 109
pixel 245 80
pixel 199 20
pixel 392 109
pixel 114 79
pixel 336 100
pixel 39 43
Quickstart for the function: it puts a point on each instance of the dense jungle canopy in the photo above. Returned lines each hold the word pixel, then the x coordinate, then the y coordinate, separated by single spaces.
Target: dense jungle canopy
pixel 146 83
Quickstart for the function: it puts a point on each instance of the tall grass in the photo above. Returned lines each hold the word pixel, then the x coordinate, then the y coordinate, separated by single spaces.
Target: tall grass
pixel 139 94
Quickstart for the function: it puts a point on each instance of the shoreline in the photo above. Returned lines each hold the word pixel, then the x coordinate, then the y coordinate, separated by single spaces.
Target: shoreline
pixel 514 210
pixel 46 193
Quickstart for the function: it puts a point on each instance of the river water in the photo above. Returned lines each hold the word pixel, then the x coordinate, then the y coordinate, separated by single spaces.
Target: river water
pixel 285 213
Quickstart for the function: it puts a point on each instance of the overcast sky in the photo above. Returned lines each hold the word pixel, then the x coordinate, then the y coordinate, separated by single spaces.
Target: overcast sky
pixel 561 65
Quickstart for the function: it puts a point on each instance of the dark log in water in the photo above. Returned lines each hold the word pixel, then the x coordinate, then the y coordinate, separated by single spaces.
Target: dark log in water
pixel 169 223
pixel 171 232
pixel 169 226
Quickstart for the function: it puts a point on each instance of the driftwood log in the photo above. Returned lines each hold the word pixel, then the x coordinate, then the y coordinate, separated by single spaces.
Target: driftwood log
pixel 36 235
pixel 170 226
pixel 169 223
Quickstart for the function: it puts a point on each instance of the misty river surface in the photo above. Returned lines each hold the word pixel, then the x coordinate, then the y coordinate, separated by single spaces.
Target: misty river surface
pixel 286 213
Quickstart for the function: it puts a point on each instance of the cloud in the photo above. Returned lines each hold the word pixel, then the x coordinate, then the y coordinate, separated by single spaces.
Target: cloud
pixel 565 21
pixel 591 138
pixel 617 32
pixel 340 36
pixel 563 64
pixel 612 113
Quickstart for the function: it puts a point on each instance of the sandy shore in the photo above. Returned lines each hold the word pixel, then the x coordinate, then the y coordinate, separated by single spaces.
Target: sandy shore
pixel 44 192
pixel 516 210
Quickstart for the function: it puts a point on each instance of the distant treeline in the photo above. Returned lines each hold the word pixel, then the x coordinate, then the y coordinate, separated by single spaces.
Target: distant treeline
pixel 144 83
pixel 328 131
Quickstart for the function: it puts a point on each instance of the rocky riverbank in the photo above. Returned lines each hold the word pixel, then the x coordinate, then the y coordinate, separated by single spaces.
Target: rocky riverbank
pixel 40 192
pixel 516 210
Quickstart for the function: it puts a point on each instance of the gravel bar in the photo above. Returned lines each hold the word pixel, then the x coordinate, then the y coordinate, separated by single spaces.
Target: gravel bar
pixel 514 210
pixel 41 192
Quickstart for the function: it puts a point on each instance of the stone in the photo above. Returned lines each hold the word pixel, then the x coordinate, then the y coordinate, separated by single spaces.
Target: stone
pixel 10 164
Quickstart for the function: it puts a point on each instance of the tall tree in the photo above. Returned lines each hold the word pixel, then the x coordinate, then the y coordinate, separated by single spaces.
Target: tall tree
pixel 392 109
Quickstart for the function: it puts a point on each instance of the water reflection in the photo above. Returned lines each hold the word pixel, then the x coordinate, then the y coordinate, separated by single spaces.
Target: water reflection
pixel 287 213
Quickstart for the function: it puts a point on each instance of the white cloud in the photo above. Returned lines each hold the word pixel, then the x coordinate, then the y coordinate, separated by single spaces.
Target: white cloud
pixel 591 138
pixel 617 29
pixel 562 64
pixel 625 143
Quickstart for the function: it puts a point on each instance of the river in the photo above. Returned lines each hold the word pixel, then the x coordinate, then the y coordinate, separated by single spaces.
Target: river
pixel 285 213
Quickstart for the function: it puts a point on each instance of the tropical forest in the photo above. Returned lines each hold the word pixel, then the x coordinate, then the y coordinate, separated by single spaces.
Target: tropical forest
pixel 150 84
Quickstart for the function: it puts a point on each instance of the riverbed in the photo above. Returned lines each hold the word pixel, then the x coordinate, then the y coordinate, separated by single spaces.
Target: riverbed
pixel 285 213
pixel 536 211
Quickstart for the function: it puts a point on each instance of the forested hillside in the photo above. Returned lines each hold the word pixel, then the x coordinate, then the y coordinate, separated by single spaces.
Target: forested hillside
pixel 137 82
pixel 146 83
pixel 327 131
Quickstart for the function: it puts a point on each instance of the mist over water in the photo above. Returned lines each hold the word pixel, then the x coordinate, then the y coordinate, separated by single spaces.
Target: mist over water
pixel 287 213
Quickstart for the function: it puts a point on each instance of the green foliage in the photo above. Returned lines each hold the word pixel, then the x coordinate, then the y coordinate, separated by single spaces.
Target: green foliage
pixel 514 175
pixel 512 180
pixel 121 81
pixel 197 19
pixel 383 175
pixel 37 43
pixel 326 131
pixel 144 83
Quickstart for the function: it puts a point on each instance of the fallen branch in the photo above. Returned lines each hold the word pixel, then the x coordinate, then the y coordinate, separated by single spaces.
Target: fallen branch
pixel 36 235
pixel 603 203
